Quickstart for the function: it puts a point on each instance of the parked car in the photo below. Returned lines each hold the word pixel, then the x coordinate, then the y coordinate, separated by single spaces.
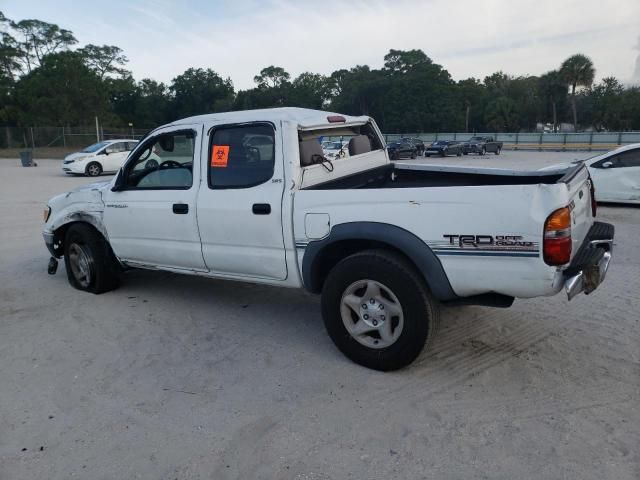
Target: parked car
pixel 333 150
pixel 402 149
pixel 481 145
pixel 615 174
pixel 443 148
pixel 102 157
pixel 419 144
pixel 384 243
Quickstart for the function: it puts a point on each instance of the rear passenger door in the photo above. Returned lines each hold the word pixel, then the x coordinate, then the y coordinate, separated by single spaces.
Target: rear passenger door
pixel 240 202
pixel 115 155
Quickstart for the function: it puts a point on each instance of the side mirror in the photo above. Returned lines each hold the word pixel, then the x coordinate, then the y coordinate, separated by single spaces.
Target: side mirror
pixel 607 165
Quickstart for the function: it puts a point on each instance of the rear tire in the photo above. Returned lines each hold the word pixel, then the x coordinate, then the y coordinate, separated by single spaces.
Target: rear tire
pixel 93 169
pixel 90 263
pixel 358 286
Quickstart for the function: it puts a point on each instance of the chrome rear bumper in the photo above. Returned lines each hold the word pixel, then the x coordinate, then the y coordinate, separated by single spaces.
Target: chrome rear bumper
pixel 590 264
pixel 589 279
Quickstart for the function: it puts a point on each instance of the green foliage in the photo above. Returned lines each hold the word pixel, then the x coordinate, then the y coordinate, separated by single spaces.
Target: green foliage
pixel 43 82
pixel 61 91
pixel 198 91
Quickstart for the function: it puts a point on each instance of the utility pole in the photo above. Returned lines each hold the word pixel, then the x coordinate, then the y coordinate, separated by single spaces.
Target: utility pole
pixel 97 130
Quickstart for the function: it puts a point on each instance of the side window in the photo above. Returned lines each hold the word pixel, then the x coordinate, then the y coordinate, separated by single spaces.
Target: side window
pixel 164 161
pixel 630 158
pixel 130 146
pixel 241 156
pixel 613 160
pixel 116 147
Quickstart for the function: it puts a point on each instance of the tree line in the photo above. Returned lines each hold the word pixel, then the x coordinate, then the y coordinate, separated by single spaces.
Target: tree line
pixel 45 79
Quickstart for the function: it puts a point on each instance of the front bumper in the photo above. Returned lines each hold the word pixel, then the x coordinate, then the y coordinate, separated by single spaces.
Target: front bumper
pixel 49 241
pixel 589 266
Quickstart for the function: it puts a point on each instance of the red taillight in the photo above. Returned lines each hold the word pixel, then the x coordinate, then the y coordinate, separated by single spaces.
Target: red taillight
pixel 336 119
pixel 557 237
pixel 594 205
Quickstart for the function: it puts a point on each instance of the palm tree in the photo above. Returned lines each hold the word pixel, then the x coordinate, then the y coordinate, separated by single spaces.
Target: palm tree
pixel 554 88
pixel 577 70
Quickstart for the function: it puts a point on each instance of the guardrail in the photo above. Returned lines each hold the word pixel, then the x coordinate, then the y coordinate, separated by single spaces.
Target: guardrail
pixel 537 141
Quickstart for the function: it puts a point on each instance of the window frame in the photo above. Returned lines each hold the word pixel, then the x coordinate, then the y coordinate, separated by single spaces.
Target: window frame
pixel 211 133
pixel 121 180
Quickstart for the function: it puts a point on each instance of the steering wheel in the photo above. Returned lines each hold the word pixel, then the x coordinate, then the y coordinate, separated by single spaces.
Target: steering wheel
pixel 253 154
pixel 153 163
pixel 171 164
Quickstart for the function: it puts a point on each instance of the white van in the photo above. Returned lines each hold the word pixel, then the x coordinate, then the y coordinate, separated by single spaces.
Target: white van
pixel 102 157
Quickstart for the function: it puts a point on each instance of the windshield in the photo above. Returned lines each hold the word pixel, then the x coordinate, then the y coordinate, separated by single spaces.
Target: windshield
pixel 440 142
pixel 95 147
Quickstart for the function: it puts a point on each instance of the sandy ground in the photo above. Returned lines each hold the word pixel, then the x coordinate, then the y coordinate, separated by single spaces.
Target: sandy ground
pixel 175 377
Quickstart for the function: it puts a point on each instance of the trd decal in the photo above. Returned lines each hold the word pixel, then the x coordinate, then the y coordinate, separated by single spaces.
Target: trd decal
pixel 488 241
pixel 486 245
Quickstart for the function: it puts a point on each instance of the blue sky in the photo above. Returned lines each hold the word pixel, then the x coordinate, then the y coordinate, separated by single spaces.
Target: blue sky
pixel 470 38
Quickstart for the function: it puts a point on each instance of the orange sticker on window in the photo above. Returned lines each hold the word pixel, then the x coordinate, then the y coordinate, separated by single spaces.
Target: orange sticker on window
pixel 219 155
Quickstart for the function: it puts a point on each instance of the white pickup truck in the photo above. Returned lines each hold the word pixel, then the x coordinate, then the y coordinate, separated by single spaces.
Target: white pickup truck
pixel 249 196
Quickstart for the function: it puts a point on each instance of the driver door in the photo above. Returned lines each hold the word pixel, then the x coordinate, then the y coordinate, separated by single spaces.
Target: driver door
pixel 151 215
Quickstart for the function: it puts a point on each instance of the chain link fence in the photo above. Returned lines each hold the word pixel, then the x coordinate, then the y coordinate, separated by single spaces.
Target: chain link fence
pixel 55 142
pixel 537 141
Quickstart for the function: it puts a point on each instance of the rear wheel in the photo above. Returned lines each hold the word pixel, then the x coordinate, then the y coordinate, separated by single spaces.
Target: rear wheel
pixel 93 169
pixel 378 310
pixel 89 261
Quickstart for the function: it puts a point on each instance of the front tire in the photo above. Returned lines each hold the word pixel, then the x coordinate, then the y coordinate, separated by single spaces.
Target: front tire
pixel 378 310
pixel 89 261
pixel 93 169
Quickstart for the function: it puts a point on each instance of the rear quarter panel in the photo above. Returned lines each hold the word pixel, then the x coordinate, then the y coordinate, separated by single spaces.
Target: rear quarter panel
pixel 433 213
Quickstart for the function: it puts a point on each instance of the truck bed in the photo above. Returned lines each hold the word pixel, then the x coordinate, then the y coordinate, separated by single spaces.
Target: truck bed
pixel 416 176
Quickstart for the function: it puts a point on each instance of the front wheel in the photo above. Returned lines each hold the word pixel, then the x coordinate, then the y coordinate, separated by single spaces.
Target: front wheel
pixel 93 169
pixel 378 310
pixel 89 261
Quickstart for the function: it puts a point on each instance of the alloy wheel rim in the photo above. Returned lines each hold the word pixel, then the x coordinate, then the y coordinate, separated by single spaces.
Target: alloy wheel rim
pixel 372 314
pixel 81 264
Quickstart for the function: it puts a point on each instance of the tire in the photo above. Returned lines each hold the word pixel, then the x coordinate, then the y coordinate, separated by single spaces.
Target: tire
pixel 465 153
pixel 459 154
pixel 427 155
pixel 93 169
pixel 442 154
pixel 413 155
pixel 392 281
pixel 497 152
pixel 89 261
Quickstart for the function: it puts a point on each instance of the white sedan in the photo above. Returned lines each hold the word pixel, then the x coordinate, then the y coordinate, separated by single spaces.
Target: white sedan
pixel 102 157
pixel 615 174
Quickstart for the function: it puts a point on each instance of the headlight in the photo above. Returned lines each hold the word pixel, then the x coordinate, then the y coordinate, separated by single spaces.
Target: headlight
pixel 47 213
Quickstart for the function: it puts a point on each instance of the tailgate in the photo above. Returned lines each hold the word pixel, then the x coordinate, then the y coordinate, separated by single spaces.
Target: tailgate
pixel 578 185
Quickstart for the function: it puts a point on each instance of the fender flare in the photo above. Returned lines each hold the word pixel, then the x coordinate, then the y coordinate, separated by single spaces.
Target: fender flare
pixel 76 217
pixel 406 242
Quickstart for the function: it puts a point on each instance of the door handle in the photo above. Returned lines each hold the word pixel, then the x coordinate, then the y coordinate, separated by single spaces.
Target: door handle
pixel 180 208
pixel 261 209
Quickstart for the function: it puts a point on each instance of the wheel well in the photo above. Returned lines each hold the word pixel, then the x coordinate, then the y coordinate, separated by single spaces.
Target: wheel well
pixel 60 233
pixel 337 251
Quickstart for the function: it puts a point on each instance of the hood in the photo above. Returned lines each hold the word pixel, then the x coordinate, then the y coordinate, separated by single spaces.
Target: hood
pixel 77 156
pixel 92 186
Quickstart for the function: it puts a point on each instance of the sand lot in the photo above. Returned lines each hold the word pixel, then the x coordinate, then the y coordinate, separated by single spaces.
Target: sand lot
pixel 176 377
